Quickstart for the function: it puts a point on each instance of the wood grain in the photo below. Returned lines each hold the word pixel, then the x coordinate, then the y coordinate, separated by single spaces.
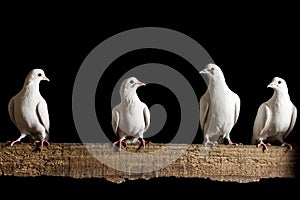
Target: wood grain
pixel 244 163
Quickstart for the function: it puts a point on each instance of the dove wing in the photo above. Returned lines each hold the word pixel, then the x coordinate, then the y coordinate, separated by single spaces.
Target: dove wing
pixel 293 121
pixel 42 113
pixel 204 107
pixel 146 113
pixel 237 107
pixel 115 120
pixel 11 110
pixel 261 120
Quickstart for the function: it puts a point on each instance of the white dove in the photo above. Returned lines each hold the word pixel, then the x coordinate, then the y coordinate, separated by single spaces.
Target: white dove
pixel 276 117
pixel 28 110
pixel 130 118
pixel 219 107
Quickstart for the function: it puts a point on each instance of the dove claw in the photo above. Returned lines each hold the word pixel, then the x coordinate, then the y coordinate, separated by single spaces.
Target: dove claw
pixel 233 143
pixel 143 143
pixel 211 143
pixel 119 143
pixel 265 148
pixel 41 143
pixel 289 146
pixel 11 143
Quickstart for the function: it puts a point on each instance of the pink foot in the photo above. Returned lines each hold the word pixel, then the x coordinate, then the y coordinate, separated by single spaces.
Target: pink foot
pixel 143 143
pixel 211 143
pixel 41 143
pixel 11 143
pixel 119 143
pixel 233 143
pixel 288 145
pixel 261 143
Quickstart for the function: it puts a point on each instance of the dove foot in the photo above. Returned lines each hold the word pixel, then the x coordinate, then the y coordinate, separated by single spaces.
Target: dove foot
pixel 234 143
pixel 210 143
pixel 11 143
pixel 143 143
pixel 119 144
pixel 265 148
pixel 288 145
pixel 40 143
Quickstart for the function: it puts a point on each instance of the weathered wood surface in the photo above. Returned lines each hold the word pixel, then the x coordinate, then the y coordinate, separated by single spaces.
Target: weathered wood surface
pixel 245 163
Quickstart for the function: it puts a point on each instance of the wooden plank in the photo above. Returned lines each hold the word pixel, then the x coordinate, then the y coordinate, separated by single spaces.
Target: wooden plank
pixel 245 163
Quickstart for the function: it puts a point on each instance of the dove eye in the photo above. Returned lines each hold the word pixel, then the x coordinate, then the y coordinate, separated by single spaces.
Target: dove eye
pixel 279 82
pixel 212 69
pixel 39 74
pixel 131 82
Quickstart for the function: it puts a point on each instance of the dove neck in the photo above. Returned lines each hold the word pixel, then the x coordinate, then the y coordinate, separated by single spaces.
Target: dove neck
pixel 129 98
pixel 281 95
pixel 31 86
pixel 217 84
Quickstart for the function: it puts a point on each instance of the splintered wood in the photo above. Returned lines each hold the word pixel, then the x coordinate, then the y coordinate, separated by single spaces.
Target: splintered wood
pixel 244 163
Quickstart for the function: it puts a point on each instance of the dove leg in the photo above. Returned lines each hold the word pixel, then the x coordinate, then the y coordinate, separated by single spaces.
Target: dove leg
pixel 19 139
pixel 120 142
pixel 261 143
pixel 288 145
pixel 143 142
pixel 283 143
pixel 230 142
pixel 41 142
pixel 207 141
pixel 227 136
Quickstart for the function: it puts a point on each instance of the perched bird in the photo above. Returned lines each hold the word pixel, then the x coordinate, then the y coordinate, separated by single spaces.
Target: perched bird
pixel 130 118
pixel 219 107
pixel 29 112
pixel 276 117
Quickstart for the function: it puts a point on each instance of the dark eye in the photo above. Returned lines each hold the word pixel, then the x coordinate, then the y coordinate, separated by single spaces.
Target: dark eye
pixel 131 82
pixel 279 82
pixel 212 69
pixel 39 74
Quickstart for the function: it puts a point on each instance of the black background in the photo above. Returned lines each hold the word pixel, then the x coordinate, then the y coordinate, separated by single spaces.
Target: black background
pixel 251 49
pixel 250 55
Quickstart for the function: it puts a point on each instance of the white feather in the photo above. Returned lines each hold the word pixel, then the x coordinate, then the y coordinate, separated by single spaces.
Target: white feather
pixel 130 117
pixel 275 118
pixel 28 109
pixel 219 107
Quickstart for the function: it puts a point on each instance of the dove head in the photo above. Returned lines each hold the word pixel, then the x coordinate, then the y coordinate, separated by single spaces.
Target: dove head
pixel 212 71
pixel 278 84
pixel 129 86
pixel 36 75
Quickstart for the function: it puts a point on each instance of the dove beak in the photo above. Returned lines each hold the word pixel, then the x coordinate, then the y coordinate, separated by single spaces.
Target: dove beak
pixel 271 85
pixel 203 71
pixel 45 78
pixel 141 84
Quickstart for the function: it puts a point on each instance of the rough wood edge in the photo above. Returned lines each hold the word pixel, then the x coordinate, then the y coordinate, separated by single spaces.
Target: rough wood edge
pixel 244 163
